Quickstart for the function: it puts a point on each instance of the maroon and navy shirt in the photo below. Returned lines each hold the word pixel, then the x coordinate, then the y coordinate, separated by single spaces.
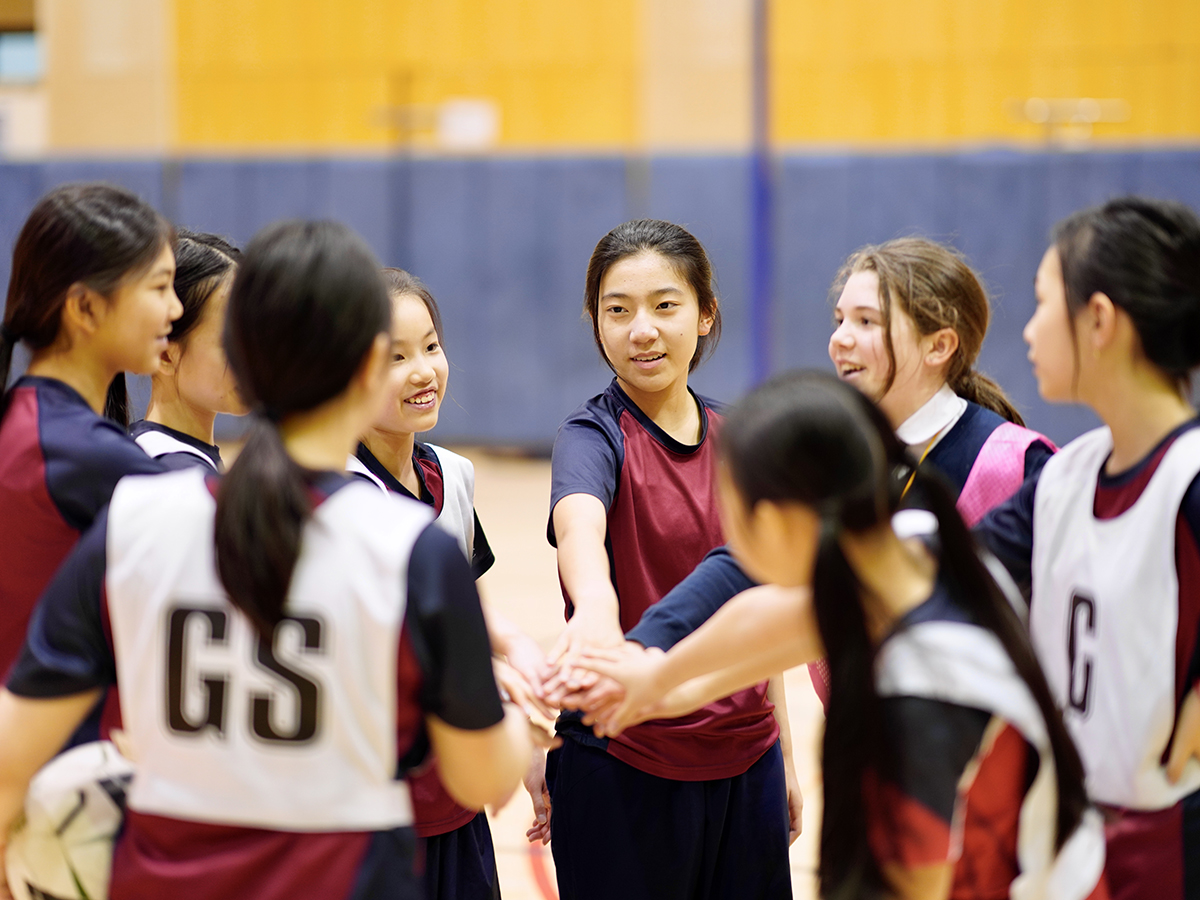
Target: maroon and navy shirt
pixel 662 521
pixel 443 668
pixel 435 810
pixel 181 459
pixel 59 463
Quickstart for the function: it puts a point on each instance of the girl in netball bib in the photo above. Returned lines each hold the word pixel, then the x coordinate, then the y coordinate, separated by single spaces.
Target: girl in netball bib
pixel 460 860
pixel 1107 538
pixel 283 638
pixel 193 383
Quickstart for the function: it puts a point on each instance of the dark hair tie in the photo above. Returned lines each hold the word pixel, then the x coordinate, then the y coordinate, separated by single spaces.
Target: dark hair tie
pixel 7 336
pixel 271 414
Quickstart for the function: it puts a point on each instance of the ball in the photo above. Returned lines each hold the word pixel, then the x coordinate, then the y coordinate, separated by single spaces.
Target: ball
pixel 62 848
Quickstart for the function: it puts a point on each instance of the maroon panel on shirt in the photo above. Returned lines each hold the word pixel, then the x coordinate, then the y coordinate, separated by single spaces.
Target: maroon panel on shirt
pixel 431 474
pixel 159 858
pixel 434 810
pixel 34 538
pixel 904 831
pixel 662 522
pixel 1144 854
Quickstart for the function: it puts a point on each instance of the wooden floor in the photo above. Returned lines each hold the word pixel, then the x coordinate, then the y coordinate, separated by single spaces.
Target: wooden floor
pixel 512 498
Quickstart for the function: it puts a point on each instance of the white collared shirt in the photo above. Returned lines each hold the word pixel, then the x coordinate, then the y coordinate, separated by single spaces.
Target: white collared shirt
pixel 933 421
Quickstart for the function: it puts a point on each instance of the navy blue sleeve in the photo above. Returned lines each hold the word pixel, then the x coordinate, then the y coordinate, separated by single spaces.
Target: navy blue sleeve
pixel 1036 456
pixel 66 648
pixel 692 602
pixel 82 469
pixel 931 744
pixel 181 459
pixel 1007 531
pixel 586 459
pixel 482 557
pixel 449 635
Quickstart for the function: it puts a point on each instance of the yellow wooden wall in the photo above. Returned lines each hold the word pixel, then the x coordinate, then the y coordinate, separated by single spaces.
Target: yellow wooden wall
pixel 941 70
pixel 323 72
pixel 597 74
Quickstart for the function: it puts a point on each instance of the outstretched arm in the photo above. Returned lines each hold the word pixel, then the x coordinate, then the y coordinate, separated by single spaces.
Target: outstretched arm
pixel 759 633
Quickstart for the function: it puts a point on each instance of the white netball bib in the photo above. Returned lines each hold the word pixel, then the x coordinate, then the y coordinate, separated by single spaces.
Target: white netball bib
pixel 157 444
pixel 458 501
pixel 296 733
pixel 457 517
pixel 1104 614
pixel 962 664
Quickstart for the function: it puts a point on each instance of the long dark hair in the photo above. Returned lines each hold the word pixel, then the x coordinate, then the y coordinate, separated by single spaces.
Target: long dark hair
pixel 681 248
pixel 1144 255
pixel 806 437
pixel 306 304
pixel 202 261
pixel 97 235
pixel 933 285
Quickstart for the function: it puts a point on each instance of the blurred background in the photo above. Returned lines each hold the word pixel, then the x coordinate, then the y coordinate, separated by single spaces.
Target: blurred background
pixel 487 144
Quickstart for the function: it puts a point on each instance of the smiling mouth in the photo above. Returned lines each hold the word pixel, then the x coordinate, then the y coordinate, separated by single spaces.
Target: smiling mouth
pixel 423 399
pixel 847 371
pixel 644 359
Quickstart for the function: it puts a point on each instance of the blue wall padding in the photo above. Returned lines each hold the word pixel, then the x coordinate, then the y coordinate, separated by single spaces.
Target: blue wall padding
pixel 504 244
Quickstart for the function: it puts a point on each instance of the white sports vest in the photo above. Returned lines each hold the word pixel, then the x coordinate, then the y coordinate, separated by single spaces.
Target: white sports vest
pixel 296 735
pixel 457 517
pixel 1103 617
pixel 959 663
pixel 157 444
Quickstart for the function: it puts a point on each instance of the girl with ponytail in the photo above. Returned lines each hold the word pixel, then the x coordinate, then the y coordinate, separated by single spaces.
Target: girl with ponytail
pixel 289 639
pixel 1107 538
pixel 947 770
pixel 911 318
pixel 90 297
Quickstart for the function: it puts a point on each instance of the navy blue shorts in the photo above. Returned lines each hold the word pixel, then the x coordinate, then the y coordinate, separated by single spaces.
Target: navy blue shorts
pixel 618 832
pixel 461 865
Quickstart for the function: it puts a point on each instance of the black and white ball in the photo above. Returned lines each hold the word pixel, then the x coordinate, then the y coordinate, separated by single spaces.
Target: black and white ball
pixel 62 850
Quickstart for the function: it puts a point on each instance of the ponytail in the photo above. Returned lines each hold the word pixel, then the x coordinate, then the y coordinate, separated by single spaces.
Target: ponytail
pixel 262 505
pixel 853 733
pixel 116 402
pixel 306 305
pixel 978 388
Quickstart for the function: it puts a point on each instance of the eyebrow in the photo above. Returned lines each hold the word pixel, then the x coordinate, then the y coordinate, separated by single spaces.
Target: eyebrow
pixel 617 295
pixel 425 336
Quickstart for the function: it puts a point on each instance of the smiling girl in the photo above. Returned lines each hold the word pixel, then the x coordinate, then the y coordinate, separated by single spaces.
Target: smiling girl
pixel 194 382
pixel 91 297
pixel 460 860
pixel 911 318
pixel 700 804
pixel 1108 536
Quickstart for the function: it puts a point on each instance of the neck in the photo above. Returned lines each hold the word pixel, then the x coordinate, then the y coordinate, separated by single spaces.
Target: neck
pixel 89 377
pixel 176 413
pixel 394 450
pixel 1140 406
pixel 323 438
pixel 895 576
pixel 672 409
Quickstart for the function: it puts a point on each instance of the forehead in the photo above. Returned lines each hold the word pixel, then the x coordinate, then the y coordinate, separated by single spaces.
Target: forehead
pixel 1049 270
pixel 643 272
pixel 861 291
pixel 410 318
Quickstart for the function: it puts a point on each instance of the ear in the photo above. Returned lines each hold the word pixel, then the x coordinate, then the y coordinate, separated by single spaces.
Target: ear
pixel 169 359
pixel 1100 321
pixel 83 310
pixel 706 321
pixel 940 347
